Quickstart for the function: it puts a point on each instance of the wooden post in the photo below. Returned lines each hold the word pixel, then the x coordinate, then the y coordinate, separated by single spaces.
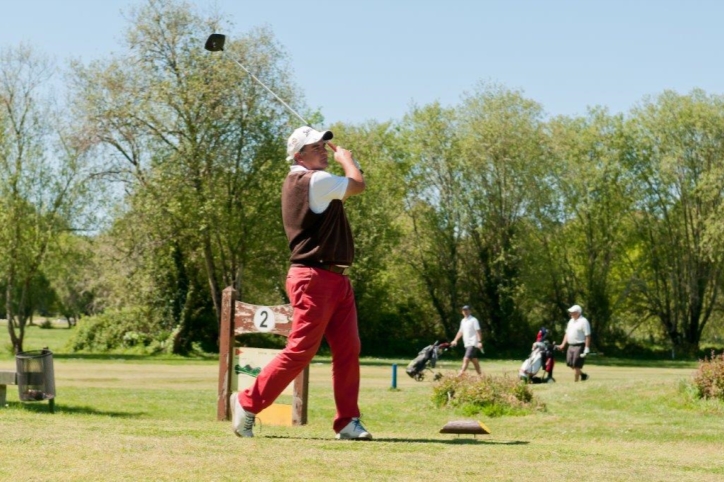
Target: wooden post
pixel 300 398
pixel 226 352
pixel 237 318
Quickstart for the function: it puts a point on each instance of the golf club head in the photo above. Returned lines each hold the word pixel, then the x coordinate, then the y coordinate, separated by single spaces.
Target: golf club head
pixel 215 42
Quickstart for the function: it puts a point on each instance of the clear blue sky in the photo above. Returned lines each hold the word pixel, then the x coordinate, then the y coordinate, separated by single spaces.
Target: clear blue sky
pixel 370 59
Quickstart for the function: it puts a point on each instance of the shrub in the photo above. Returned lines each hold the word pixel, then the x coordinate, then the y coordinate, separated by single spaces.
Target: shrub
pixel 709 377
pixel 136 329
pixel 490 395
pixel 46 324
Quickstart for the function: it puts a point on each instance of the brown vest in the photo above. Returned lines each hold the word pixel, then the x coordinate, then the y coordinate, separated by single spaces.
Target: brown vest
pixel 314 239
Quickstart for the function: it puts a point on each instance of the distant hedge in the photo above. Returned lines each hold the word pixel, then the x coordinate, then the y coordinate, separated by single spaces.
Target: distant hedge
pixel 129 329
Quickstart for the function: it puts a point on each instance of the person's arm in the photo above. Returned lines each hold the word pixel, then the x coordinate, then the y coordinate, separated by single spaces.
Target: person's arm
pixel 587 334
pixel 587 349
pixel 480 339
pixel 563 343
pixel 356 184
pixel 457 337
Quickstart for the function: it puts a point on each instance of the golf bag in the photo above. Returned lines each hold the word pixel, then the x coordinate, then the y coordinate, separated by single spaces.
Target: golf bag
pixel 427 356
pixel 541 356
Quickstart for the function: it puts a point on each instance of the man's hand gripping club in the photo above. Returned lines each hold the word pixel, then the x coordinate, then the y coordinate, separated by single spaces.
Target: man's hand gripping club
pixel 351 170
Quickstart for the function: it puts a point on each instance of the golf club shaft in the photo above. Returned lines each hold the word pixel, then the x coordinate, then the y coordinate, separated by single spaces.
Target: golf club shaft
pixel 268 89
pixel 215 43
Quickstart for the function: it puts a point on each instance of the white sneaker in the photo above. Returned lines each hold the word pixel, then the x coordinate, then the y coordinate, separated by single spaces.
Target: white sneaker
pixel 242 422
pixel 354 431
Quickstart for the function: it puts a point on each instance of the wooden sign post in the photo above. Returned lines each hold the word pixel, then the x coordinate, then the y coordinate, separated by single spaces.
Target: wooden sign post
pixel 238 318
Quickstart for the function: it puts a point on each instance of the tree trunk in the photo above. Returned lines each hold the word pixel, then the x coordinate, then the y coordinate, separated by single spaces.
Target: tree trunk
pixel 15 338
pixel 184 336
pixel 211 275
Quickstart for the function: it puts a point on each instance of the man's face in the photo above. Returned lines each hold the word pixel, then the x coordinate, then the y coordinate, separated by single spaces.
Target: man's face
pixel 313 156
pixel 466 313
pixel 575 314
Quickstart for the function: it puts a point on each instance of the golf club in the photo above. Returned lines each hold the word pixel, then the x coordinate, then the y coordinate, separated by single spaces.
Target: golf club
pixel 215 43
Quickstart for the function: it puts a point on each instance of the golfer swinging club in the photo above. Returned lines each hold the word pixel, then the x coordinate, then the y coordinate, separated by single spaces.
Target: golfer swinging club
pixel 322 249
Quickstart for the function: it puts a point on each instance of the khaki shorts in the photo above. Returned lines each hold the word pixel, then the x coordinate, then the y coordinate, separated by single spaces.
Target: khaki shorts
pixel 573 356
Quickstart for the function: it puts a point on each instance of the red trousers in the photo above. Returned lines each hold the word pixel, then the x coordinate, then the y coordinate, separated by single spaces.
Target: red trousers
pixel 324 306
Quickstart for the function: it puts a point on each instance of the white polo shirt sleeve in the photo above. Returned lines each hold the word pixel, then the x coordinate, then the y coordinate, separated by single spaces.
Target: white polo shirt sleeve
pixel 325 188
pixel 586 327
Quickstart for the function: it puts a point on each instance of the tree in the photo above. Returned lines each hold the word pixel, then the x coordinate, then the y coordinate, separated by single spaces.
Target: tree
pixel 433 207
pixel 677 166
pixel 43 179
pixel 71 274
pixel 583 223
pixel 200 147
pixel 503 156
pixel 472 170
pixel 392 318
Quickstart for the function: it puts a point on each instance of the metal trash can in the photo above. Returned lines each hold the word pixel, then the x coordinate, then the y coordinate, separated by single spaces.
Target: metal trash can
pixel 36 377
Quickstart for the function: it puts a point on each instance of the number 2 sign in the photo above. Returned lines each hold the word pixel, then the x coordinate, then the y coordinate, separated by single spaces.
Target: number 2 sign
pixel 264 319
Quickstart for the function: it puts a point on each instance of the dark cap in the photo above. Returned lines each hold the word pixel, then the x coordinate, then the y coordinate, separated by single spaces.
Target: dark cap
pixel 466 307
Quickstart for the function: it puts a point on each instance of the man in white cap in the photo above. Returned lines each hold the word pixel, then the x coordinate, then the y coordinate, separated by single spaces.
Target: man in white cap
pixel 472 339
pixel 578 337
pixel 322 249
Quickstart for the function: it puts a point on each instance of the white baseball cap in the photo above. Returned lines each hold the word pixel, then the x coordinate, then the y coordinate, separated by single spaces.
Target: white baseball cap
pixel 574 309
pixel 304 136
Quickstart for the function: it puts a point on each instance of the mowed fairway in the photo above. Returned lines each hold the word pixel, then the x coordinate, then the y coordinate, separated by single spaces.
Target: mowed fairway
pixel 155 420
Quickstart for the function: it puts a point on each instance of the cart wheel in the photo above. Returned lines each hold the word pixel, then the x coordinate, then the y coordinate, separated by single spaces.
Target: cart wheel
pixel 419 377
pixel 437 376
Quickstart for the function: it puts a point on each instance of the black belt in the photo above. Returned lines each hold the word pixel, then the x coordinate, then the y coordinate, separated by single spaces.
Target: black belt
pixel 576 344
pixel 334 268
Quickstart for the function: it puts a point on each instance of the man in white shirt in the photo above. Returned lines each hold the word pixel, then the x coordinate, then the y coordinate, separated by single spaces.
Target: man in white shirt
pixel 472 339
pixel 578 337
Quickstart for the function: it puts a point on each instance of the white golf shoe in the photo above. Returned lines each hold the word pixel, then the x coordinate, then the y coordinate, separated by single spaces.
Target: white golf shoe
pixel 242 422
pixel 354 431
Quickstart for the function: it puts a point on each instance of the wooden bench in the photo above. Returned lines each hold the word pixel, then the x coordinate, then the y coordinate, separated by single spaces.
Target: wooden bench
pixel 6 378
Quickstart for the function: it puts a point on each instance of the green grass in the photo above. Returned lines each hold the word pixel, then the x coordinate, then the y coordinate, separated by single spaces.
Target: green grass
pixel 56 339
pixel 154 419
pixel 36 338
